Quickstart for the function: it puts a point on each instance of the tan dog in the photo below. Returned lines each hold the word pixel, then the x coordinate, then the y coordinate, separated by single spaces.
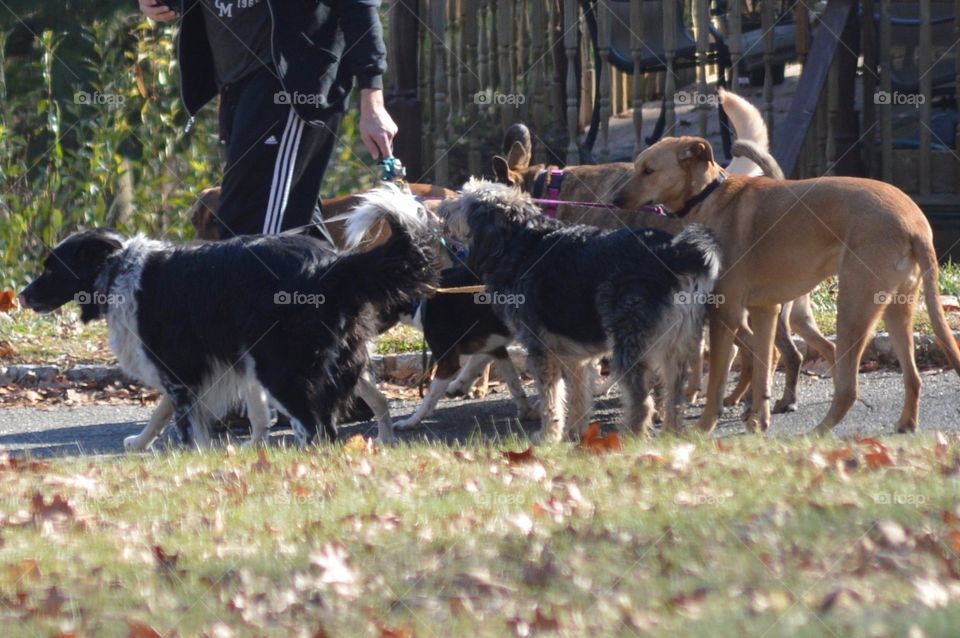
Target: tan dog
pixel 600 182
pixel 780 238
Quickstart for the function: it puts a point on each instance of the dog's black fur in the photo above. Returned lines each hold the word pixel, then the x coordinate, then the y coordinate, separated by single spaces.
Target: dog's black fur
pixel 574 292
pixel 203 321
pixel 460 324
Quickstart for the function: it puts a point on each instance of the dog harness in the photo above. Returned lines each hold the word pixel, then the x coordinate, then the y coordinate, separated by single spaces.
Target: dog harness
pixel 551 202
pixel 702 195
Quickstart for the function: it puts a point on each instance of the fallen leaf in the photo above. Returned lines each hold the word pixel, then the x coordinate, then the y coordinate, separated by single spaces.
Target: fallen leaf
pixel 519 457
pixel 138 629
pixel 57 506
pixel 335 570
pixel 522 522
pixel 8 300
pixel 358 444
pixel 593 441
pixel 680 456
pixel 263 463
pixel 931 593
pixel 165 562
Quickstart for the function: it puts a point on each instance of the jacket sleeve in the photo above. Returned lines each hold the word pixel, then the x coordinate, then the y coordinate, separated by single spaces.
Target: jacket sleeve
pixel 365 54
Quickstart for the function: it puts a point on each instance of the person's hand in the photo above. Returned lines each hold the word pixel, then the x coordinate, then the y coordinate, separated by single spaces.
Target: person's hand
pixel 158 10
pixel 377 128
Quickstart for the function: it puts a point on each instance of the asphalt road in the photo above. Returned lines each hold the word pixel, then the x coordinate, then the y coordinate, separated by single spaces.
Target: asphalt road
pixel 101 429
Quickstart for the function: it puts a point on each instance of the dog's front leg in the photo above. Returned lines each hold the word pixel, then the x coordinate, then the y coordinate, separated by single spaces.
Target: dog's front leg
pixel 525 410
pixel 259 414
pixel 161 415
pixel 546 369
pixel 764 322
pixel 724 321
pixel 369 394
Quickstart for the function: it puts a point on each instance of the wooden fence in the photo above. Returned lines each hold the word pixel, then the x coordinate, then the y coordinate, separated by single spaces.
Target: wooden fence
pixel 470 68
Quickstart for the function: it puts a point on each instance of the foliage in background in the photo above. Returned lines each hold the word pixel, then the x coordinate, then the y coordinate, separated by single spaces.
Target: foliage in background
pixel 92 133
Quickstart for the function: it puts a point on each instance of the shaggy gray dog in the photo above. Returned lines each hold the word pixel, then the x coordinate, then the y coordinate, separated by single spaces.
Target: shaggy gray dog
pixel 571 293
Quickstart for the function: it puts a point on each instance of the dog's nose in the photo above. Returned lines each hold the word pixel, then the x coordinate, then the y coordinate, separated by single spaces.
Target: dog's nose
pixel 22 300
pixel 618 200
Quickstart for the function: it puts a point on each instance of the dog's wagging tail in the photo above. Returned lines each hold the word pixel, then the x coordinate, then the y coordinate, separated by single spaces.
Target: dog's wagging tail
pixel 213 323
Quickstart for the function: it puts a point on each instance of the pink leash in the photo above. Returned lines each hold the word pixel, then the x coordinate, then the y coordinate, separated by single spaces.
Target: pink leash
pixel 554 203
pixel 551 202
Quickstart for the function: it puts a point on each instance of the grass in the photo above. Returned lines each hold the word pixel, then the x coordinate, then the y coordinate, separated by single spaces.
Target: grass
pixel 721 538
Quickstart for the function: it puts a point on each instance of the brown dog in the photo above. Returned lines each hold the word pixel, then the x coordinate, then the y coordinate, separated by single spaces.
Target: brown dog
pixel 203 213
pixel 598 183
pixel 780 238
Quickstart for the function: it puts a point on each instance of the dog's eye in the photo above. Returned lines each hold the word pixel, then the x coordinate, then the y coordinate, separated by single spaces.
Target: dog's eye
pixel 647 170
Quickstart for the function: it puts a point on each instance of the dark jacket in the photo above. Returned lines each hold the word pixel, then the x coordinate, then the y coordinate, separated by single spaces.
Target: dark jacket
pixel 319 47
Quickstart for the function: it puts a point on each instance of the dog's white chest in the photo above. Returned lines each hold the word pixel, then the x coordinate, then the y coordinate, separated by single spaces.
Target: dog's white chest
pixel 124 335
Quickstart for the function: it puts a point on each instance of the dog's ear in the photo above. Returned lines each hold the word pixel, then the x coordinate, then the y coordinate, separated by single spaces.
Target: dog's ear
pixel 95 249
pixel 696 149
pixel 501 168
pixel 519 156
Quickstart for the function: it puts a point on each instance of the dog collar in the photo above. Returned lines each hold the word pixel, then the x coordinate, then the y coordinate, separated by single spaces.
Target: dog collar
pixel 702 195
pixel 553 190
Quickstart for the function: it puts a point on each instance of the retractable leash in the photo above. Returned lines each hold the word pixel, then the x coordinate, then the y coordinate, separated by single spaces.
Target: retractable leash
pixel 393 170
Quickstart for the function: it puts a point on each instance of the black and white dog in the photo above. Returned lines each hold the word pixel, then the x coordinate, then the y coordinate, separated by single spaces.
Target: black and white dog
pixel 461 324
pixel 571 293
pixel 213 323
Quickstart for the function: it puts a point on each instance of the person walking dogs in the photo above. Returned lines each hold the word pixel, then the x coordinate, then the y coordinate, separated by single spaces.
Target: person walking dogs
pixel 284 72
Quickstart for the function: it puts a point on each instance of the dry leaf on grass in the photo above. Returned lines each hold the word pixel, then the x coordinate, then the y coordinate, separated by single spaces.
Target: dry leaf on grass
pixel 8 300
pixel 519 457
pixel 593 441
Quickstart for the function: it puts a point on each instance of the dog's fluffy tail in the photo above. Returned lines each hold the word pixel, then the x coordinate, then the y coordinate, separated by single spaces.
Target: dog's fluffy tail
pixel 748 125
pixel 695 252
pixel 759 156
pixel 402 268
pixel 923 249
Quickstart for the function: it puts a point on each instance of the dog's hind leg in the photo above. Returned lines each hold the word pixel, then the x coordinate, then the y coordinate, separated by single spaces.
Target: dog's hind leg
pixel 857 313
pixel 525 411
pixel 898 318
pixel 792 361
pixel 804 324
pixel 695 382
pixel 577 377
pixel 763 321
pixel 546 370
pixel 476 365
pixel 369 394
pixel 447 367
pixel 161 415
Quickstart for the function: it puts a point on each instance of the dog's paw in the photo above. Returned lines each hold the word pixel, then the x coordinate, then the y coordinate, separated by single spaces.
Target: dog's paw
pixel 405 424
pixel 479 391
pixel 782 406
pixel 135 444
pixel 455 389
pixel 730 401
pixel 254 442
